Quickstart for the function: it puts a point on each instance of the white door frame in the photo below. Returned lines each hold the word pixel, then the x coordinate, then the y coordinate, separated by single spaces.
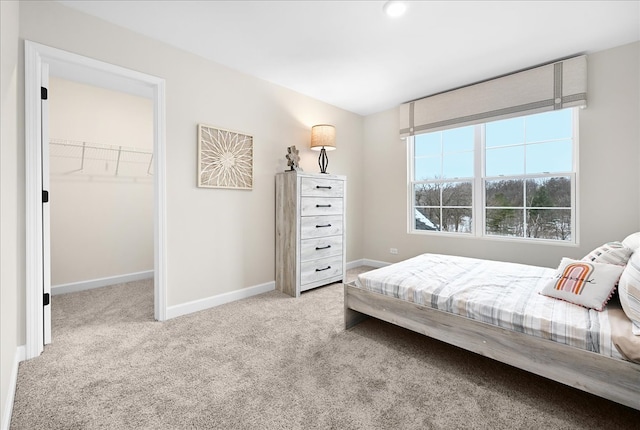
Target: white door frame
pixel 46 208
pixel 35 55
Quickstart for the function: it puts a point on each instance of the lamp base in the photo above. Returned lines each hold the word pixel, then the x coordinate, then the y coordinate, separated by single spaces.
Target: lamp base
pixel 323 161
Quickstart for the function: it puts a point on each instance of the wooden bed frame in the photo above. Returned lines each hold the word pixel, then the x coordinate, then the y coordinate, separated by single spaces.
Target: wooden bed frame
pixel 613 379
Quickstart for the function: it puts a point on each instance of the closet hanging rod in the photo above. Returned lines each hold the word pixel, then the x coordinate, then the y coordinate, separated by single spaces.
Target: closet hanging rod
pixel 97 146
pixel 117 154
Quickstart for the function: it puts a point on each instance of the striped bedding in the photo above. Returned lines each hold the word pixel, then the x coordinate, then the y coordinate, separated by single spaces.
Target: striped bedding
pixel 498 293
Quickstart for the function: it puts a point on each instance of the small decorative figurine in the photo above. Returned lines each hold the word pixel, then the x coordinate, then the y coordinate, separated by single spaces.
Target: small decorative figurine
pixel 293 158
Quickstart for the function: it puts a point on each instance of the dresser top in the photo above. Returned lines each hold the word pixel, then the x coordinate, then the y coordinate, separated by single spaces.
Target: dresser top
pixel 313 175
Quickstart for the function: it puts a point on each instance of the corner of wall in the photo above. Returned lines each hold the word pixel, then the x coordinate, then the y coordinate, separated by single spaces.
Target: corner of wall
pixel 7 410
pixel 10 327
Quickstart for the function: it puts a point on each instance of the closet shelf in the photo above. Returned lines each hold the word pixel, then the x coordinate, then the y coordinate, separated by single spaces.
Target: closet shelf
pixel 96 158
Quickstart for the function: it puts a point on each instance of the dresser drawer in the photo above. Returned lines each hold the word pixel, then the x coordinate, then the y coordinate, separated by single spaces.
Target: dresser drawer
pixel 317 270
pixel 312 249
pixel 321 206
pixel 321 187
pixel 320 226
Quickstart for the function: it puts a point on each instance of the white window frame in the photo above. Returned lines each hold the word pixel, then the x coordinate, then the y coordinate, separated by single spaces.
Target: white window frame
pixel 478 192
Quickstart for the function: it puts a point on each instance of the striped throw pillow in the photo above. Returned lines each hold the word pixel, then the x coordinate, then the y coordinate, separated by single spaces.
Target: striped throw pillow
pixel 610 253
pixel 629 289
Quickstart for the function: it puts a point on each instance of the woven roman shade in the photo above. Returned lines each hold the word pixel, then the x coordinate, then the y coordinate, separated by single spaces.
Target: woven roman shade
pixel 553 86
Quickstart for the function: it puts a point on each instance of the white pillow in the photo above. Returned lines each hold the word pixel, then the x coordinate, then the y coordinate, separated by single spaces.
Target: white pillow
pixel 584 283
pixel 611 253
pixel 629 289
pixel 632 241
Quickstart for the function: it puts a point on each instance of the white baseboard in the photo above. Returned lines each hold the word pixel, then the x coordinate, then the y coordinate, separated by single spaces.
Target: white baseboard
pixel 355 263
pixel 100 282
pixel 367 262
pixel 220 299
pixel 21 353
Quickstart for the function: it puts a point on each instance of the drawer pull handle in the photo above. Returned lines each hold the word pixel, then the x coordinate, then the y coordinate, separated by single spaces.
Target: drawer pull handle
pixel 323 186
pixel 323 206
pixel 326 268
pixel 323 225
pixel 318 248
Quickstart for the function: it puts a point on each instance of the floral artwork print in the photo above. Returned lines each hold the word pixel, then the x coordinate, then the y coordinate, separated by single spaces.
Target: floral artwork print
pixel 225 159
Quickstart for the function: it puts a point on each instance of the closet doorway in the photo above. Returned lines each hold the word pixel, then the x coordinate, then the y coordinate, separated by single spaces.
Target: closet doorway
pixel 100 186
pixel 40 62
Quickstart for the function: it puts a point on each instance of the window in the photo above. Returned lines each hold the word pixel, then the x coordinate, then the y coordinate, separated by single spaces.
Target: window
pixel 512 178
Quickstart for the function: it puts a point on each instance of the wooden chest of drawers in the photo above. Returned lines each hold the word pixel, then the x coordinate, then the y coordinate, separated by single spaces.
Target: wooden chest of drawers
pixel 310 231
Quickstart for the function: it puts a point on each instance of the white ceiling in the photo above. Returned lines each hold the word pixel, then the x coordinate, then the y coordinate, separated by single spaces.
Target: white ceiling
pixel 349 54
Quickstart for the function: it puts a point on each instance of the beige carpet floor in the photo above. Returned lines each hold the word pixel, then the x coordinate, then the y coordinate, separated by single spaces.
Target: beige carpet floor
pixel 274 362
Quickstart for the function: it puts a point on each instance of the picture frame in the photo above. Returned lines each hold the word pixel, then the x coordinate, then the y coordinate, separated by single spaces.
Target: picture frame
pixel 225 158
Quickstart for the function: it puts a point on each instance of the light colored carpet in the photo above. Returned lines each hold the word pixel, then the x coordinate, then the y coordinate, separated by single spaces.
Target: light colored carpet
pixel 274 362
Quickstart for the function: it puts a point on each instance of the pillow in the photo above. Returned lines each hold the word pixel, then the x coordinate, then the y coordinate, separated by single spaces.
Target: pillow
pixel 629 289
pixel 632 241
pixel 584 283
pixel 611 253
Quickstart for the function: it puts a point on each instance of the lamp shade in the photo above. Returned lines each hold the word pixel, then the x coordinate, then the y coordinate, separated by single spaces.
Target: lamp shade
pixel 323 136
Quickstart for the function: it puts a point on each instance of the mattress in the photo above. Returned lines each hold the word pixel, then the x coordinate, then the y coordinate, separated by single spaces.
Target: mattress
pixel 498 293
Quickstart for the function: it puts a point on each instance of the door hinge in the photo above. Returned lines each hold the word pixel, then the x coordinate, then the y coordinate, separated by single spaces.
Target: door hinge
pixel 44 93
pixel 45 196
pixel 46 299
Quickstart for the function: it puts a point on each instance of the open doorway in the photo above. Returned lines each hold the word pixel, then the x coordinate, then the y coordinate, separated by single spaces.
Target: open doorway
pixel 38 60
pixel 100 186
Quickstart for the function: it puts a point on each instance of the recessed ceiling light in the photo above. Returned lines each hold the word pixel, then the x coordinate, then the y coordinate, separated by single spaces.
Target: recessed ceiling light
pixel 394 8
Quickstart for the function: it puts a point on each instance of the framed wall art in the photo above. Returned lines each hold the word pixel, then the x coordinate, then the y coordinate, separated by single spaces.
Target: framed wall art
pixel 225 158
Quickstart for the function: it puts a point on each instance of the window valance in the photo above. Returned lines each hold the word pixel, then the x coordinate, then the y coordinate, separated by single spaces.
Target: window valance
pixel 553 86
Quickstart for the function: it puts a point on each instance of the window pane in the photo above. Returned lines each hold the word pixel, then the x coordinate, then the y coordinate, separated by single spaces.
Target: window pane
pixel 549 192
pixel 427 168
pixel 427 195
pixel 505 132
pixel 508 193
pixel 525 171
pixel 456 220
pixel 505 161
pixel 457 194
pixel 427 144
pixel 550 126
pixel 505 222
pixel 427 219
pixel 457 139
pixel 458 165
pixel 549 224
pixel 550 157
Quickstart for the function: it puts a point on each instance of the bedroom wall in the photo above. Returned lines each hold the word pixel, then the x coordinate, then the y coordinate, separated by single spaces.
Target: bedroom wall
pixel 610 147
pixel 609 193
pixel 10 224
pixel 101 223
pixel 217 240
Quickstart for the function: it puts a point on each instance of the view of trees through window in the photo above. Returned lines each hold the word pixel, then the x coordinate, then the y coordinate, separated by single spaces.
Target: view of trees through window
pixel 525 189
pixel 448 205
pixel 535 208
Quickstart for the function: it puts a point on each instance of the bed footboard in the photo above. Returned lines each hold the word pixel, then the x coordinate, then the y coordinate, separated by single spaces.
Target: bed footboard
pixel 613 379
pixel 351 317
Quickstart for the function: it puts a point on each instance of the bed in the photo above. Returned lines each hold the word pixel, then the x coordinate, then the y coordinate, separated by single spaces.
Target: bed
pixel 497 309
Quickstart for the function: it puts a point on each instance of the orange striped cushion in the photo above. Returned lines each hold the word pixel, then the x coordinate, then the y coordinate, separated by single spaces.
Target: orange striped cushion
pixel 584 283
